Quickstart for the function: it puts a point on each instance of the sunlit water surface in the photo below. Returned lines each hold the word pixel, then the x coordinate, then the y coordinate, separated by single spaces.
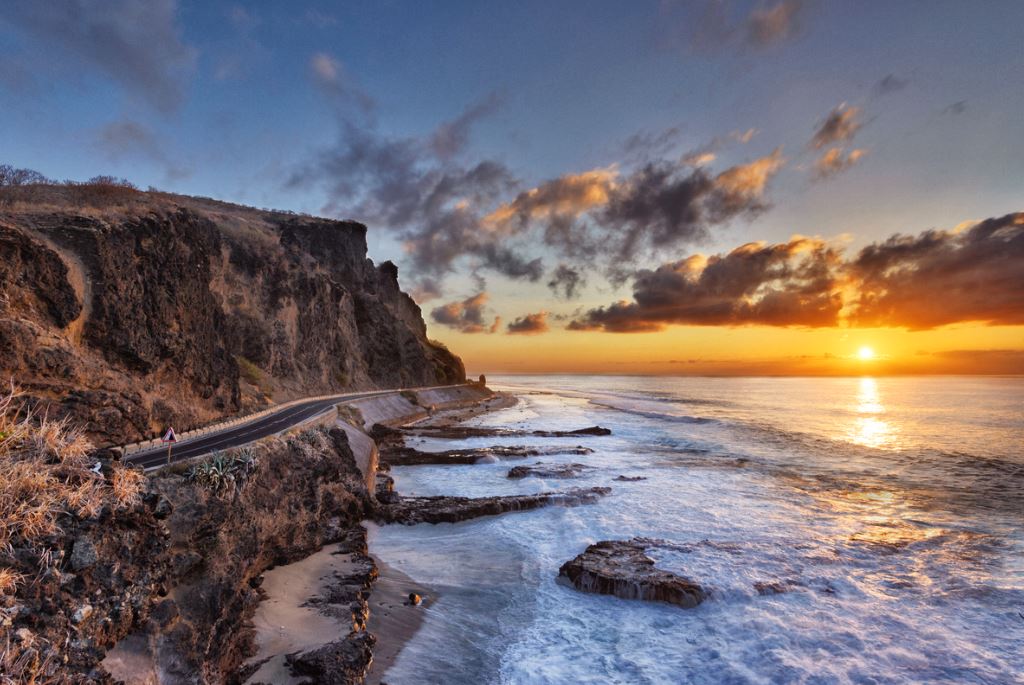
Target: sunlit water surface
pixel 892 509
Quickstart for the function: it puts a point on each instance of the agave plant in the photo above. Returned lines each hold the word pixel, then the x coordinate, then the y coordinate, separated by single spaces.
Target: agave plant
pixel 224 472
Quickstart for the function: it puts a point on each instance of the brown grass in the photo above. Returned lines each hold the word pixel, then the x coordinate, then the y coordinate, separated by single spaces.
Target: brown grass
pixel 9 580
pixel 46 474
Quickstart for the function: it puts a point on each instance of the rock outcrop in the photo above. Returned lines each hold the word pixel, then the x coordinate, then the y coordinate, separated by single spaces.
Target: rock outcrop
pixel 157 309
pixel 542 470
pixel 463 432
pixel 448 509
pixel 408 456
pixel 622 568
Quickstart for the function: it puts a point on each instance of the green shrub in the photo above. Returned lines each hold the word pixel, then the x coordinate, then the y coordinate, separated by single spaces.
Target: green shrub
pixel 224 472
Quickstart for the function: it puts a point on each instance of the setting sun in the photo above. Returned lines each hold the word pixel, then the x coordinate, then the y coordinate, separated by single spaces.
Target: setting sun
pixel 865 353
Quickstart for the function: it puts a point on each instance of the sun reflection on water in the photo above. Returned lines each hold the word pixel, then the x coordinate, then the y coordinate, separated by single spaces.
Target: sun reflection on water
pixel 868 428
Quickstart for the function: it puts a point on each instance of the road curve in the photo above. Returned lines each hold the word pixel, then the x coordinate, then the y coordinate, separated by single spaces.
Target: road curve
pixel 236 436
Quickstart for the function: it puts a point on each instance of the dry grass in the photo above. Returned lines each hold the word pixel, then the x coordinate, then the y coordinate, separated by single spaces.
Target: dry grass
pixel 9 580
pixel 128 485
pixel 46 474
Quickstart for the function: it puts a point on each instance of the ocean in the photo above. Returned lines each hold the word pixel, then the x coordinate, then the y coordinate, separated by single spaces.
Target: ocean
pixel 891 510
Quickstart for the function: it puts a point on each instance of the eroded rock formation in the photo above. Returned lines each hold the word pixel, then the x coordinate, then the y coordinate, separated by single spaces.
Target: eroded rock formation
pixel 463 432
pixel 408 456
pixel 448 509
pixel 622 568
pixel 542 470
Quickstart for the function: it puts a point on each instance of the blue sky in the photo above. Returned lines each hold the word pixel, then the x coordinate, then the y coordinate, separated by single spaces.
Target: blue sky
pixel 245 101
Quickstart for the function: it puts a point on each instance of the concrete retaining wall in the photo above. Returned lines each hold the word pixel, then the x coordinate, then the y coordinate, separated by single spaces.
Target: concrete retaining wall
pixel 394 409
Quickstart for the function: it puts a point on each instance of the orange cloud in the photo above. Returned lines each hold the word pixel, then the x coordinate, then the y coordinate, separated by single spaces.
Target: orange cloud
pixel 529 324
pixel 934 279
pixel 834 161
pixel 466 316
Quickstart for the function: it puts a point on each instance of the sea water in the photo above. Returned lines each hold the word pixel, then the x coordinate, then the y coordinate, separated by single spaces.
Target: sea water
pixel 890 510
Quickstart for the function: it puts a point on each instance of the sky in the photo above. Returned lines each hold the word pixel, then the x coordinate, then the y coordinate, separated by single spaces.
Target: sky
pixel 724 187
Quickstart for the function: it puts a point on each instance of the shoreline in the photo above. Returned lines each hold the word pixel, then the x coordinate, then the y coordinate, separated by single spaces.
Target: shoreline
pixel 288 619
pixel 393 622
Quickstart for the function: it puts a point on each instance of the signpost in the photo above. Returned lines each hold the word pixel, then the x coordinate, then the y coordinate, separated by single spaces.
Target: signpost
pixel 170 438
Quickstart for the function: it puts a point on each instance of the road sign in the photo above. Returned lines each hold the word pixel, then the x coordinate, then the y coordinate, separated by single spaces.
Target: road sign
pixel 170 438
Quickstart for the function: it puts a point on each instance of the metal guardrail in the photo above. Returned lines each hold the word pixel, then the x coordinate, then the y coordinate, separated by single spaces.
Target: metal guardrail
pixel 145 445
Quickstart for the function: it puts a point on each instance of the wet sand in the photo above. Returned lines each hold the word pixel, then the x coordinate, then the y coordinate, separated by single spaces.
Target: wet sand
pixel 392 619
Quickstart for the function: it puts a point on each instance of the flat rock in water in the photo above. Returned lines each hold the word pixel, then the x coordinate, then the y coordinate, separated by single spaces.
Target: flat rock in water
pixel 622 568
pixel 446 509
pixel 542 470
pixel 592 430
pixel 630 479
pixel 463 432
pixel 408 456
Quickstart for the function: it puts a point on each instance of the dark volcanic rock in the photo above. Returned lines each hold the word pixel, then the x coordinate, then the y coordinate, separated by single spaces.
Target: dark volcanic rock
pixel 630 479
pixel 407 456
pixel 344 662
pixel 176 310
pixel 592 430
pixel 542 470
pixel 463 432
pixel 445 509
pixel 622 568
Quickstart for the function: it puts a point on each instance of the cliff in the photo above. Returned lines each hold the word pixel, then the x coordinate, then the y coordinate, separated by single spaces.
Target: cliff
pixel 128 311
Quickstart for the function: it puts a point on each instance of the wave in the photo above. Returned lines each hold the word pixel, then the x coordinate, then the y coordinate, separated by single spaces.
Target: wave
pixel 660 416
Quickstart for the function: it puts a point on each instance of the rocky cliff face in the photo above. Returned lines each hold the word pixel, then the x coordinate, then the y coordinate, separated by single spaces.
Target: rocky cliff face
pixel 134 312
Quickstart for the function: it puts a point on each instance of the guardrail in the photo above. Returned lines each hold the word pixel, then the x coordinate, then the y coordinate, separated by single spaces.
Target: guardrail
pixel 145 445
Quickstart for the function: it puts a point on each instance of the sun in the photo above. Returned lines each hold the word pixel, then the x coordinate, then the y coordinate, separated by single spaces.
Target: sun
pixel 865 353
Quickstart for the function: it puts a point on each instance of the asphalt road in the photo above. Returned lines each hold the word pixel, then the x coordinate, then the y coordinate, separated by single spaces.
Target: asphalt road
pixel 236 436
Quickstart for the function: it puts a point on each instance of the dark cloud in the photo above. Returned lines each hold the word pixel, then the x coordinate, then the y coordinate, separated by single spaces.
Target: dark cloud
pixel 426 289
pixel 619 217
pixel 788 284
pixel 720 26
pixel 840 126
pixel 448 213
pixel 127 139
pixel 890 83
pixel 466 316
pixel 958 107
pixel 435 207
pixel 662 205
pixel 644 145
pixel 566 281
pixel 834 161
pixel 933 279
pixel 451 137
pixel 138 44
pixel 779 23
pixel 529 324
pixel 943 277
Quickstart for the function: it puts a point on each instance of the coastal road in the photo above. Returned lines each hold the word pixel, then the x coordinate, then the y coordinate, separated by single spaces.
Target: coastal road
pixel 235 436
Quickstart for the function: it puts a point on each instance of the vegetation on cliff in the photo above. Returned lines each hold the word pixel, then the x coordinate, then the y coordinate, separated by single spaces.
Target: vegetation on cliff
pixel 167 567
